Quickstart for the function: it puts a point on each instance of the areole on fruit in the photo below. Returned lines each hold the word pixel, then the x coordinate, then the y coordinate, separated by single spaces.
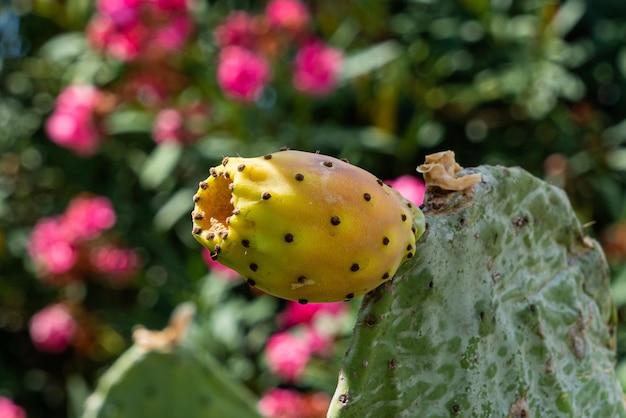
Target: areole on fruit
pixel 304 226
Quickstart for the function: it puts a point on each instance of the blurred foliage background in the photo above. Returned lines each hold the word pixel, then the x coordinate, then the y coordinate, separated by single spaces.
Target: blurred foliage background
pixel 514 82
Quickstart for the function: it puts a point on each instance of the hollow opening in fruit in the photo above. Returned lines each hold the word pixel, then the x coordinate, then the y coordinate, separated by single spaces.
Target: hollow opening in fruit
pixel 216 205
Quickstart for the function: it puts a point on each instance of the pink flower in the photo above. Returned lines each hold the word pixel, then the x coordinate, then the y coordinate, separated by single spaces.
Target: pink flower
pixel 280 403
pixel 52 329
pixel 319 343
pixel 316 68
pixel 174 35
pixel 236 30
pixel 72 124
pixel 52 251
pixel 123 43
pixel 412 188
pixel 184 125
pixel 242 74
pixel 8 409
pixel 121 12
pixel 295 313
pixel 290 15
pixel 217 268
pixel 87 217
pixel 287 355
pixel 116 264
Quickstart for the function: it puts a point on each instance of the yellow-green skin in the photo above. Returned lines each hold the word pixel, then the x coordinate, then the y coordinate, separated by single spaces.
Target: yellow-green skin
pixel 305 226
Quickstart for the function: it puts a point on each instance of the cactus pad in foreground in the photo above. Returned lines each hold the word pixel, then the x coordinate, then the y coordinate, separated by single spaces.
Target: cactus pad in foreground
pixel 505 310
pixel 304 226
pixel 159 376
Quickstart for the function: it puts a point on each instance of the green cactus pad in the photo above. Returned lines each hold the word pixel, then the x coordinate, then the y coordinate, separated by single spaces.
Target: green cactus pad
pixel 304 226
pixel 505 310
pixel 151 383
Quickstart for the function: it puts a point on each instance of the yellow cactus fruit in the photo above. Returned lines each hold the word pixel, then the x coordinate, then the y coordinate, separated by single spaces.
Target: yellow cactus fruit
pixel 304 226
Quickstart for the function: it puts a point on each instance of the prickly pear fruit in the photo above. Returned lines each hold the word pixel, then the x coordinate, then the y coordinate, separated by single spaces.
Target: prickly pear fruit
pixel 160 376
pixel 505 310
pixel 305 226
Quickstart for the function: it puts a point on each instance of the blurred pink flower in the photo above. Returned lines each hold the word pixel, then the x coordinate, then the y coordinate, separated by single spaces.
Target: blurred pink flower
pixel 280 403
pixel 218 268
pixel 184 125
pixel 131 29
pixel 52 328
pixel 287 355
pixel 116 264
pixel 8 409
pixel 412 188
pixel 87 217
pixel 296 313
pixel 173 35
pixel 319 343
pixel 122 43
pixel 72 124
pixel 121 12
pixel 235 30
pixel 289 15
pixel 50 247
pixel 316 68
pixel 242 74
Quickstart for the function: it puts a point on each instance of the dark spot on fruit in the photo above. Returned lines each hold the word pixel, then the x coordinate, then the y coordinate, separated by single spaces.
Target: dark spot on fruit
pixel 350 296
pixel 335 220
pixel 254 266
pixel 370 320
pixel 409 247
pixel 196 230
pixel 203 185
pixel 227 175
pixel 225 235
pixel 380 182
pixel 367 196
pixel 385 241
pixel 354 267
pixel 327 164
pixel 462 222
pixel 236 211
pixel 343 399
pixel 303 301
pixel 231 186
pixel 403 217
pixel 409 255
pixel 210 236
pixel 225 161
pixel 241 167
pixel 456 408
pixel 283 149
pixel 227 220
pixel 196 198
pixel 385 276
pixel 431 284
pixel 198 216
pixel 218 249
pixel 213 256
pixel 299 176
pixel 345 160
pixel 251 282
pixel 266 195
pixel 213 172
pixel 414 230
pixel 245 243
pixel 391 365
pixel 481 315
pixel 409 205
pixel 288 237
pixel 301 279
pixel 268 156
